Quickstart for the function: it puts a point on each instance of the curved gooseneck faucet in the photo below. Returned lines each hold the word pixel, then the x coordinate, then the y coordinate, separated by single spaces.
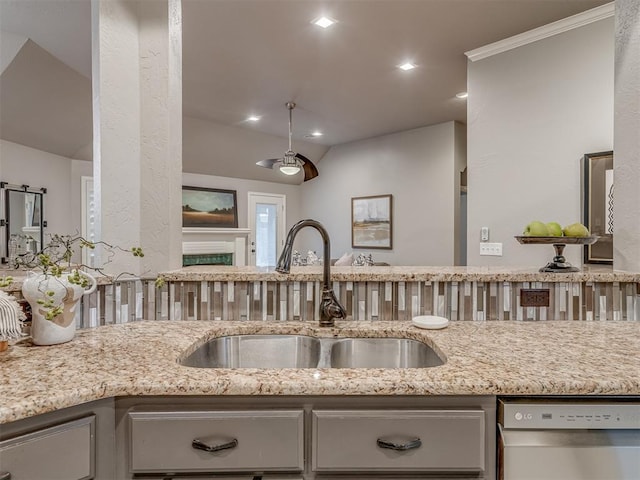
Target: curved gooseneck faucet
pixel 330 308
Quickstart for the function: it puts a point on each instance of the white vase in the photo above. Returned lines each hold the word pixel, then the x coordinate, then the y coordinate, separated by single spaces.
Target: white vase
pixel 62 328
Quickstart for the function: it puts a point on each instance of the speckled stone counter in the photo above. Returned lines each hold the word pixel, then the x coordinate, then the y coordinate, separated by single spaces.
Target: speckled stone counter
pixel 198 273
pixel 542 358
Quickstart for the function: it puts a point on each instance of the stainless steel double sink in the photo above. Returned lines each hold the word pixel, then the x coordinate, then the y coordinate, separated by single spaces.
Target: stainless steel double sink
pixel 302 351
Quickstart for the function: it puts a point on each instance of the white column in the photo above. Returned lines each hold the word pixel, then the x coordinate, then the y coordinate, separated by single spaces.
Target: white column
pixel 137 90
pixel 626 142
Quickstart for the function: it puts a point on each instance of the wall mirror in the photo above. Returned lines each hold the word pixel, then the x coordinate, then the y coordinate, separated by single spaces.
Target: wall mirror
pixel 598 206
pixel 23 220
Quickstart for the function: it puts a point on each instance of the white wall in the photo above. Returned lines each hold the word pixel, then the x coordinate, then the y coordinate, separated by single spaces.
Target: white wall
pixel 243 187
pixel 532 114
pixel 417 167
pixel 59 175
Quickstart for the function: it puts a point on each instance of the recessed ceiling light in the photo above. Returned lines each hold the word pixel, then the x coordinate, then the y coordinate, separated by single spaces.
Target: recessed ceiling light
pixel 314 134
pixel 407 66
pixel 253 118
pixel 462 95
pixel 324 22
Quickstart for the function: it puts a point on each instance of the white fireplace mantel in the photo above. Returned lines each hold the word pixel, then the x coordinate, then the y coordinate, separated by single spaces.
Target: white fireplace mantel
pixel 216 240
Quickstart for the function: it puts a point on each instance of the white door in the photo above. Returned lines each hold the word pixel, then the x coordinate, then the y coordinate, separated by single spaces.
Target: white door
pixel 267 224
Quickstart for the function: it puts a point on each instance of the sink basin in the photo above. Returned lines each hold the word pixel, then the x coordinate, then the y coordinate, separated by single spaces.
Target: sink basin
pixel 256 351
pixel 302 351
pixel 382 353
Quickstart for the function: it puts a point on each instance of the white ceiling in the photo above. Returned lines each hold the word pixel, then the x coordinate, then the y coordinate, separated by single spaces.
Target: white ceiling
pixel 246 57
pixel 252 56
pixel 62 27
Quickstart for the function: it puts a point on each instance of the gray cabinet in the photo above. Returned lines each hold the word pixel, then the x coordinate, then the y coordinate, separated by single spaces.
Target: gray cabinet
pixel 61 452
pixel 216 441
pixel 442 441
pixel 304 437
pixel 69 444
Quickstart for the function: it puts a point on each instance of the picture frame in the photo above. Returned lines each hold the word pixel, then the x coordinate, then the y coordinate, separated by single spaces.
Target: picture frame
pixel 597 206
pixel 372 222
pixel 209 208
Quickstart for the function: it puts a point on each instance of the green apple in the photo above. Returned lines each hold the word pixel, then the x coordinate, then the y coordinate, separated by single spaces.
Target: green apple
pixel 576 230
pixel 555 229
pixel 536 229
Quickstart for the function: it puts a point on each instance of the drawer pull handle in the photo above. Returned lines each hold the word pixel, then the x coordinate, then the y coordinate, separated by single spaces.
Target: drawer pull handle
pixel 5 476
pixel 399 443
pixel 200 445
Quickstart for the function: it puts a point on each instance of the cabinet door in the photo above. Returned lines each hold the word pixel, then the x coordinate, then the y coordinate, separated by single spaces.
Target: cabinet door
pixel 445 441
pixel 216 441
pixel 62 452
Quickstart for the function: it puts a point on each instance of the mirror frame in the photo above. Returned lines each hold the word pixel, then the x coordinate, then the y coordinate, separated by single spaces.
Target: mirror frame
pixel 5 221
pixel 598 200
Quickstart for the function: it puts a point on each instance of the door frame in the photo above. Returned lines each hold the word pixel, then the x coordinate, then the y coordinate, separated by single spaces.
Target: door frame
pixel 280 199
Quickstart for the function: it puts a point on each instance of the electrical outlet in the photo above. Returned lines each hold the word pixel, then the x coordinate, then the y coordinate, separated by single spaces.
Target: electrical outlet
pixel 492 249
pixel 534 297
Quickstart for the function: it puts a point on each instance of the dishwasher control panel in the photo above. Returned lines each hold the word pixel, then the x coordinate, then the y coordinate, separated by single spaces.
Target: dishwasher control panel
pixel 569 416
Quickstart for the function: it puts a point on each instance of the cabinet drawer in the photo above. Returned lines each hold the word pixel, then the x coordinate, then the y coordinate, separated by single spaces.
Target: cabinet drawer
pixel 61 452
pixel 352 441
pixel 249 441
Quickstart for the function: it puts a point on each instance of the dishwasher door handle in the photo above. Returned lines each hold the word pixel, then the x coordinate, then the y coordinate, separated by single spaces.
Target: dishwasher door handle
pixel 569 438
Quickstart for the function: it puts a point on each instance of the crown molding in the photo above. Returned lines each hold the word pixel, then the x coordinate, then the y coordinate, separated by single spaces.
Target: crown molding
pixel 564 25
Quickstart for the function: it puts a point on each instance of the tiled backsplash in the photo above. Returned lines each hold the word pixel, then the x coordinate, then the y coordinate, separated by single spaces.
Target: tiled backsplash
pixel 367 300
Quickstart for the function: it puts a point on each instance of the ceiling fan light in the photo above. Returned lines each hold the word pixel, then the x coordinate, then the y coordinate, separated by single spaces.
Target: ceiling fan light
pixel 289 169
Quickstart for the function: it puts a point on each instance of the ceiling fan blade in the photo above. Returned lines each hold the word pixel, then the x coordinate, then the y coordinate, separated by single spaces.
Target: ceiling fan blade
pixel 268 163
pixel 310 170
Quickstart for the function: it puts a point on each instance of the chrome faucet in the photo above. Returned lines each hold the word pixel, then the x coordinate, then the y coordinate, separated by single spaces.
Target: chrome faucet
pixel 330 308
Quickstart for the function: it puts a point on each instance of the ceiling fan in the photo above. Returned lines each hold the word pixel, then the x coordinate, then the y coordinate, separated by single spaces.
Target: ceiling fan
pixel 291 162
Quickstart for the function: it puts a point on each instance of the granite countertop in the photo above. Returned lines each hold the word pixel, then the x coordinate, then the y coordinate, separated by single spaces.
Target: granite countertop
pixel 536 358
pixel 398 274
pixel 198 273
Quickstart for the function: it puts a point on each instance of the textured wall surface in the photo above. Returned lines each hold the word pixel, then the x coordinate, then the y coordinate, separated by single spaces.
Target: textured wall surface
pixel 626 243
pixel 138 130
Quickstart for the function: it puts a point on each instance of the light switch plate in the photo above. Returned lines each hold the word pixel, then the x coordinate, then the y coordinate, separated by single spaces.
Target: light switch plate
pixel 484 234
pixel 491 249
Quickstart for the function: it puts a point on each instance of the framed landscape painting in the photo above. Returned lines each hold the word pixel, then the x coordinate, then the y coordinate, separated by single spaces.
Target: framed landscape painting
pixel 209 208
pixel 371 222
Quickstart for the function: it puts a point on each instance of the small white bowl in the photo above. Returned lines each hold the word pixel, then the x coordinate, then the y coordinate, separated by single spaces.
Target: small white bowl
pixel 430 322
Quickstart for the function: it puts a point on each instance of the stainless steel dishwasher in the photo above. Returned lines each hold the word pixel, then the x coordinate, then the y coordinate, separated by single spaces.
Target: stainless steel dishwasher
pixel 572 439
